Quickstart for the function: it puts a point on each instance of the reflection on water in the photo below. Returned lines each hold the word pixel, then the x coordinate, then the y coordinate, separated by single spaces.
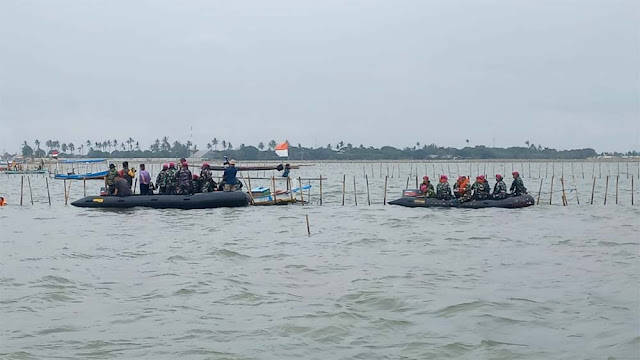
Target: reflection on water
pixel 372 282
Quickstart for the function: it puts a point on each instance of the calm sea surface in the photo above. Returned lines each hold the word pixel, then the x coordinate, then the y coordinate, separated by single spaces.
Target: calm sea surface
pixel 371 282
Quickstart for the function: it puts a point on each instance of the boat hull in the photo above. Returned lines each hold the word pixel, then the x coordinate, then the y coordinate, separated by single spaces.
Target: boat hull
pixel 91 176
pixel 197 201
pixel 512 202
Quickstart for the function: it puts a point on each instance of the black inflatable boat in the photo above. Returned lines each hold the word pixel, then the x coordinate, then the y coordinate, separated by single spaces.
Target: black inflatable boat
pixel 512 202
pixel 197 201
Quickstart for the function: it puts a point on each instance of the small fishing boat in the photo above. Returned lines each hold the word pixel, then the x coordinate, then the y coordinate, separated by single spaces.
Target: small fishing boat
pixel 263 196
pixel 86 166
pixel 210 200
pixel 410 199
pixel 24 172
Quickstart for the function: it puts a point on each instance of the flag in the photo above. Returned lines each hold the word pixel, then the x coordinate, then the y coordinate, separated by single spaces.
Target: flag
pixel 282 150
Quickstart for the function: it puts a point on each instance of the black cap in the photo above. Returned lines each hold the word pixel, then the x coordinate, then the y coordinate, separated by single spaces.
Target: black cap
pixel 111 166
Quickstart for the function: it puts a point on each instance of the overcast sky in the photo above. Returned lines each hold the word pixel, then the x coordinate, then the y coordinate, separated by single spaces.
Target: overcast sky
pixel 560 73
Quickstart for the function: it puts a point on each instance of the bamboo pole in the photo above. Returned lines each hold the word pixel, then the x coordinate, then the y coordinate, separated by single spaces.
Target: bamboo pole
pixel 368 196
pixel 252 201
pixel 632 190
pixel 593 189
pixel 385 190
pixel 344 185
pixel 273 184
pixel 46 180
pixel 617 181
pixel 84 185
pixel 66 200
pixel 416 181
pixel 606 190
pixel 290 184
pixel 583 170
pixel 576 186
pixel 30 192
pixel 540 191
pixel 551 191
pixel 308 228
pixel 320 189
pixel 355 191
pixel 407 186
pixel 301 192
pixel 21 188
pixel 64 185
pixel 546 174
pixel 564 194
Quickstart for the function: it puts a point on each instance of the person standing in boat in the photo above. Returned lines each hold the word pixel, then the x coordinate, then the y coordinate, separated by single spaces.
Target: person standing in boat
pixel 160 179
pixel 184 179
pixel 480 188
pixel 126 173
pixel 122 187
pixel 170 180
pixel 517 186
pixel 110 179
pixel 229 177
pixel 500 188
pixel 145 180
pixel 206 179
pixel 443 190
pixel 426 188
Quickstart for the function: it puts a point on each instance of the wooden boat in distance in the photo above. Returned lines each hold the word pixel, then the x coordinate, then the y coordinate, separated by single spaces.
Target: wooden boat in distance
pixel 90 176
pixel 86 167
pixel 24 172
pixel 210 200
pixel 254 168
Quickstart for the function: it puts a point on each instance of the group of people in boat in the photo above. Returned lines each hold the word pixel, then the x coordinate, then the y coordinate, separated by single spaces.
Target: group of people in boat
pixel 171 180
pixel 479 190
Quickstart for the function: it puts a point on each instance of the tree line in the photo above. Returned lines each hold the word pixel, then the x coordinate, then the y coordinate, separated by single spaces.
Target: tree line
pixel 216 149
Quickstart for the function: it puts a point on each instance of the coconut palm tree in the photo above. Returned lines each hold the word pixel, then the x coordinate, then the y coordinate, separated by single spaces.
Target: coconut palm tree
pixel 261 146
pixel 37 142
pixel 467 142
pixel 71 147
pixel 224 144
pixel 214 143
pixel 272 144
pixel 64 147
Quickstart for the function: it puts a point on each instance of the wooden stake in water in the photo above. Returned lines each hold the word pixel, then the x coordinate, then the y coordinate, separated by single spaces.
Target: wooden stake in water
pixel 368 196
pixel 576 186
pixel 344 185
pixel 416 181
pixel 593 189
pixel 301 192
pixel 273 183
pixel 21 188
pixel 606 190
pixel 320 189
pixel 385 190
pixel 84 186
pixel 632 190
pixel 407 186
pixel 308 228
pixel 64 185
pixel 564 194
pixel 46 180
pixel 540 191
pixel 551 191
pixel 355 191
pixel 617 181
pixel 30 192
pixel 583 170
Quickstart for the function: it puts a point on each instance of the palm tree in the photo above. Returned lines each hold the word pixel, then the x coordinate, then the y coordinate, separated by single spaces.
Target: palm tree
pixel 137 146
pixel 109 145
pixel 418 144
pixel 261 146
pixel 272 144
pixel 527 143
pixel 208 146
pixel 224 144
pixel 81 149
pixel 71 147
pixel 124 148
pixel 467 142
pixel 49 145
pixel 229 146
pixel 88 142
pixel 214 143
pixel 37 142
pixel 64 147
pixel 130 142
pixel 165 144
pixel 115 143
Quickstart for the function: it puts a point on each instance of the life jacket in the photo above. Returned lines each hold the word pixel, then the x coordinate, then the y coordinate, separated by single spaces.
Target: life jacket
pixel 462 186
pixel 3 202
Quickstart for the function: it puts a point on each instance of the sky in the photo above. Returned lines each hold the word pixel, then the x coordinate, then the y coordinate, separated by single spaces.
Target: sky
pixel 560 73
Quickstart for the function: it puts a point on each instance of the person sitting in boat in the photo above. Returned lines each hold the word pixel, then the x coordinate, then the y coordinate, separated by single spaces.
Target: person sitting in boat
pixel 206 179
pixel 500 188
pixel 462 189
pixel 122 187
pixel 170 180
pixel 196 185
pixel 160 179
pixel 426 188
pixel 110 179
pixel 480 188
pixel 287 170
pixel 517 186
pixel 443 190
pixel 229 177
pixel 184 179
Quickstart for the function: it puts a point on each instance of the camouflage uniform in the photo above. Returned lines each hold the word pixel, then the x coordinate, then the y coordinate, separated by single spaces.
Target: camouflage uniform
pixel 184 179
pixel 430 192
pixel 500 190
pixel 111 180
pixel 160 181
pixel 480 190
pixel 206 181
pixel 170 182
pixel 443 191
pixel 517 187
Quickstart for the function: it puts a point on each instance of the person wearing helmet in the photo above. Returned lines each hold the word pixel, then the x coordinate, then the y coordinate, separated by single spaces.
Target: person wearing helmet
pixel 161 178
pixel 500 188
pixel 480 188
pixel 462 189
pixel 426 187
pixel 443 190
pixel 206 179
pixel 184 179
pixel 170 180
pixel 229 177
pixel 110 180
pixel 517 186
